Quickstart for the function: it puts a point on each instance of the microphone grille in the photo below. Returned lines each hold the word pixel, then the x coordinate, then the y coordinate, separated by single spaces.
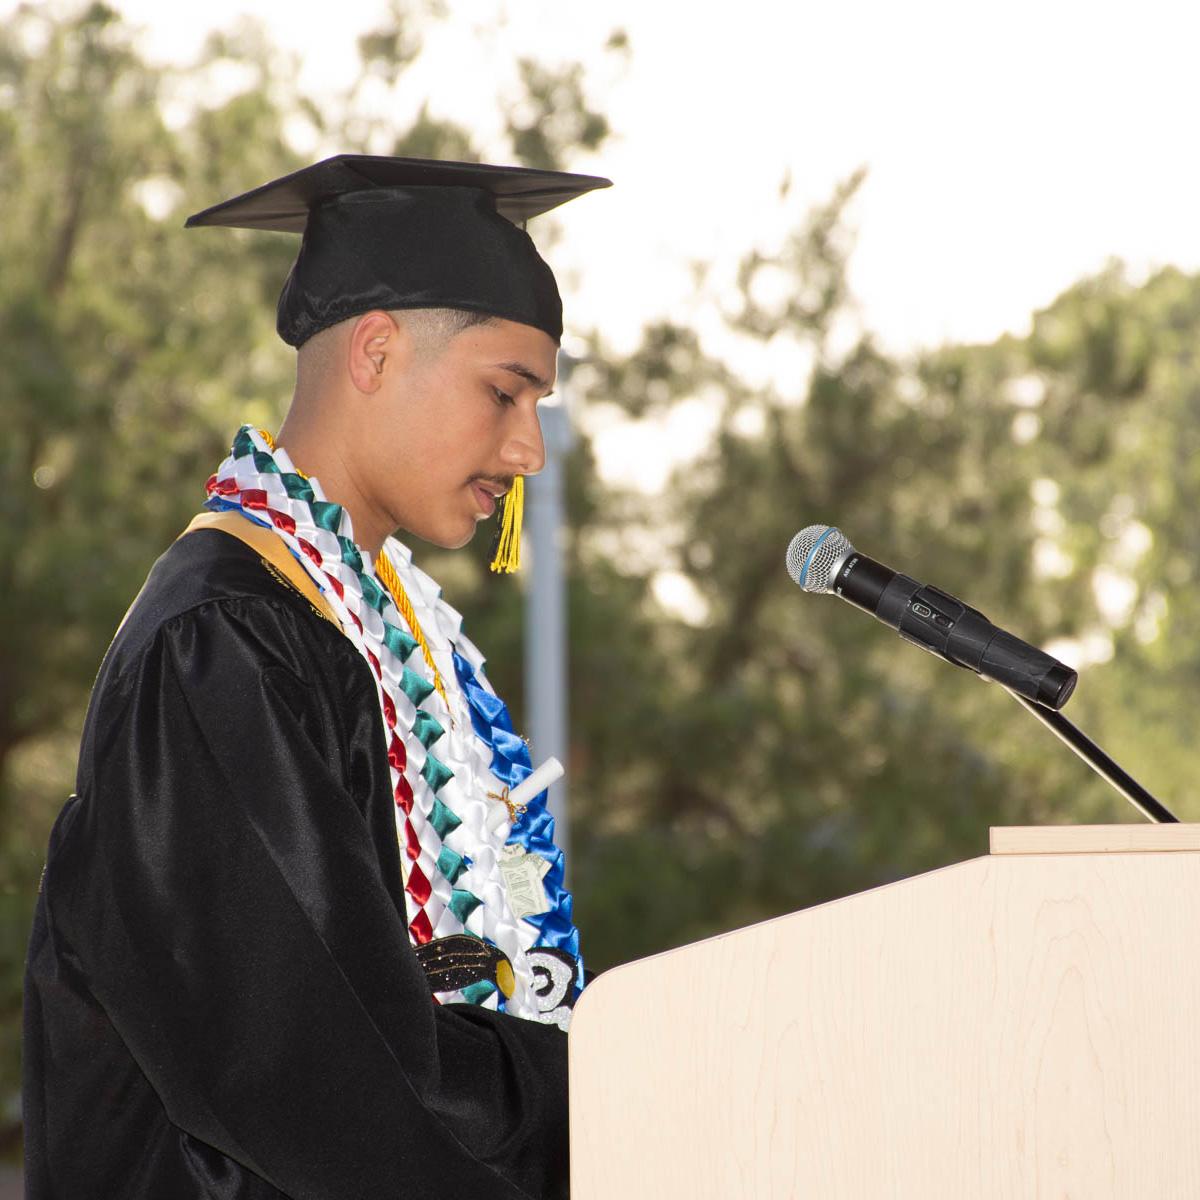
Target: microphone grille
pixel 813 554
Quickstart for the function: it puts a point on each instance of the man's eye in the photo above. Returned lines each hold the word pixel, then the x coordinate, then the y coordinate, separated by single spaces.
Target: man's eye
pixel 502 397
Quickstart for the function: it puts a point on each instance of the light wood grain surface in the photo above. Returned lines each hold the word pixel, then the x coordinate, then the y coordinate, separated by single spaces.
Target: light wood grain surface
pixel 1093 839
pixel 1020 1025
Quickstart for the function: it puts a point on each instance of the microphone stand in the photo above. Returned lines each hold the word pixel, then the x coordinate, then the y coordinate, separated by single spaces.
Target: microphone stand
pixel 1095 758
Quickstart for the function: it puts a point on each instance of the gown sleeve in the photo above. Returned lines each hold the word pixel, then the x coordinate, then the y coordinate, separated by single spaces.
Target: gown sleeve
pixel 221 882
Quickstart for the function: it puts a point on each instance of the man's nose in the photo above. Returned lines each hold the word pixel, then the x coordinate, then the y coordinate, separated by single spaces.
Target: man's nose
pixel 526 451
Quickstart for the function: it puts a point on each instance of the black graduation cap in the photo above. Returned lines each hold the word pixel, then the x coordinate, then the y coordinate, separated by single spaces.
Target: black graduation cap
pixel 384 232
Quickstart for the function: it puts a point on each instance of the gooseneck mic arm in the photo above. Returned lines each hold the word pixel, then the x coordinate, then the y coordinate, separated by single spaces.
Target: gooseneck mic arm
pixel 1104 766
pixel 820 558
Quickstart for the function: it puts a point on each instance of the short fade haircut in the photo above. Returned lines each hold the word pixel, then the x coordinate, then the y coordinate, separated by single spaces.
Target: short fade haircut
pixel 430 328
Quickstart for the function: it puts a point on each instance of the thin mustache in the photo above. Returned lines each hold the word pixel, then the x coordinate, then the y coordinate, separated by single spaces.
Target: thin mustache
pixel 504 481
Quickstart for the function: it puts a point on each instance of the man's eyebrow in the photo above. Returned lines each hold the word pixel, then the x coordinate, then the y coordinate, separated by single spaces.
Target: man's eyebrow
pixel 525 373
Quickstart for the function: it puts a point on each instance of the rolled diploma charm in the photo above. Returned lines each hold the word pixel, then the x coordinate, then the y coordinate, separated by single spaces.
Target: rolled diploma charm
pixel 523 872
pixel 549 772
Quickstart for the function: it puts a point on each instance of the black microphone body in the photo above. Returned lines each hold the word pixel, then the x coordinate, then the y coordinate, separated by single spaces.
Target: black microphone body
pixel 820 558
pixel 945 626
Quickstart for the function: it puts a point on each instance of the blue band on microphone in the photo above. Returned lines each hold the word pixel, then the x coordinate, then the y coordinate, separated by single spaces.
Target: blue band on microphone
pixel 813 553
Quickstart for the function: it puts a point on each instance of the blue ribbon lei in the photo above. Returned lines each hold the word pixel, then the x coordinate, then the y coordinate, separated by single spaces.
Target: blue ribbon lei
pixel 533 829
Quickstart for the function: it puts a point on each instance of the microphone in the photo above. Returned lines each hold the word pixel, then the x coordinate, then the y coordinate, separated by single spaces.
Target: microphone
pixel 821 559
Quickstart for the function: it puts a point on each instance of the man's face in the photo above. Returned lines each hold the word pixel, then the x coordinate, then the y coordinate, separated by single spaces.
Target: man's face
pixel 452 429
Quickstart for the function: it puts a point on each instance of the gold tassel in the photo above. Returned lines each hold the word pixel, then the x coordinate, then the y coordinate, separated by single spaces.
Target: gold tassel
pixel 506 549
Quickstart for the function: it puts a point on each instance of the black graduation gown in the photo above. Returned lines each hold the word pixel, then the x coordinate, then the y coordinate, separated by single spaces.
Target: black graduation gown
pixel 221 998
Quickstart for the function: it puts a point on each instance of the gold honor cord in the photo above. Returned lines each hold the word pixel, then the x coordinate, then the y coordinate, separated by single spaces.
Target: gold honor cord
pixel 391 581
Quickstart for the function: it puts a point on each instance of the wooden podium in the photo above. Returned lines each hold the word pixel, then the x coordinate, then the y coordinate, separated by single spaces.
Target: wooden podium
pixel 1026 1024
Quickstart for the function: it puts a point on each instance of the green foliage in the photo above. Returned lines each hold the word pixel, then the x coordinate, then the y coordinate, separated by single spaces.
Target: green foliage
pixel 553 115
pixel 386 50
pixel 100 343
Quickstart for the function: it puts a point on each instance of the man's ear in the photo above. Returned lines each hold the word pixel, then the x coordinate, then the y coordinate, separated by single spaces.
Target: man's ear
pixel 377 343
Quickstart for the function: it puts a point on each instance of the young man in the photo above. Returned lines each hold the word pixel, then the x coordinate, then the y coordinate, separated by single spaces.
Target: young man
pixel 294 939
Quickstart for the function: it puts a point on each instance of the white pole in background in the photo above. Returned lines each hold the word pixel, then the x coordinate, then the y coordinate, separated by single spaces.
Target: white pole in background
pixel 545 604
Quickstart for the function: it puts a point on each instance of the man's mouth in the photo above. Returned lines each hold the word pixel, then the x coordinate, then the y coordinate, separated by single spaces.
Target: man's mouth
pixel 487 493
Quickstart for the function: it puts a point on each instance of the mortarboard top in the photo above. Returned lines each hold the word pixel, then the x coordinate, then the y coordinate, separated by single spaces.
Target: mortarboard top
pixel 408 233
pixel 520 193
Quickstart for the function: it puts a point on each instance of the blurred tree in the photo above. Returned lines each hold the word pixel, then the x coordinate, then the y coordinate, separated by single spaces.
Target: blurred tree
pixel 1113 388
pixel 784 750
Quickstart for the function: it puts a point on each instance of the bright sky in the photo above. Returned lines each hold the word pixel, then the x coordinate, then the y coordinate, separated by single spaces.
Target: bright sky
pixel 1011 147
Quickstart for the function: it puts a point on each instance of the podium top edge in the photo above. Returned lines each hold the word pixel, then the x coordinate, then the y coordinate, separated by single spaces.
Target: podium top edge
pixel 1093 839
